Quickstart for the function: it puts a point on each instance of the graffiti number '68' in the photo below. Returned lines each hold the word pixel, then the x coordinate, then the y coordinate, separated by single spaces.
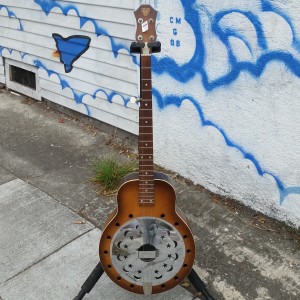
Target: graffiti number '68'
pixel 175 43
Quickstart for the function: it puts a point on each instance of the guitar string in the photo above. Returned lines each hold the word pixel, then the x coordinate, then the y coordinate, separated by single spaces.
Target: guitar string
pixel 146 74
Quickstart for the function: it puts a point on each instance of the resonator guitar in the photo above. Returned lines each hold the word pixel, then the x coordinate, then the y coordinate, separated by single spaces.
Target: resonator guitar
pixel 147 246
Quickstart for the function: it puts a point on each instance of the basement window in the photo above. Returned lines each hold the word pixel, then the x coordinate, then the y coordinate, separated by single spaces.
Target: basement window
pixel 22 78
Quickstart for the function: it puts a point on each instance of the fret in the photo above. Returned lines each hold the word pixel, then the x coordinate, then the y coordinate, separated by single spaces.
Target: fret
pixel 145 193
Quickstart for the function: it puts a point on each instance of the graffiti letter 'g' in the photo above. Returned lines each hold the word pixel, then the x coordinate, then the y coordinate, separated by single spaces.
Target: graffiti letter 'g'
pixel 175 31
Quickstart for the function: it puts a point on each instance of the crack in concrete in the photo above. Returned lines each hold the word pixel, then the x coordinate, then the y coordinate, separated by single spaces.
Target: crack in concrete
pixel 45 257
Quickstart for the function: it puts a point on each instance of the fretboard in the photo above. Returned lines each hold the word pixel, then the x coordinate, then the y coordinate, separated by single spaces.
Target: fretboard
pixel 146 180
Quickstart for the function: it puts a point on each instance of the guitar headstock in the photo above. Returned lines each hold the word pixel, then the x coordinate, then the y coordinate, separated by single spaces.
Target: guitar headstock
pixel 146 24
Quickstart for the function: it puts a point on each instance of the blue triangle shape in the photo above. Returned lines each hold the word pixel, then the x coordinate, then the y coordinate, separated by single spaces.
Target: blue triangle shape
pixel 71 48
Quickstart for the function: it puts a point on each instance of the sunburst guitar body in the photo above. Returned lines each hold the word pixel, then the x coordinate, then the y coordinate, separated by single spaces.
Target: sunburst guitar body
pixel 147 246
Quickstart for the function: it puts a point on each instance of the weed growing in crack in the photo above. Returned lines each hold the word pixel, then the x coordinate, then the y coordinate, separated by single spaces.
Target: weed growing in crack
pixel 109 172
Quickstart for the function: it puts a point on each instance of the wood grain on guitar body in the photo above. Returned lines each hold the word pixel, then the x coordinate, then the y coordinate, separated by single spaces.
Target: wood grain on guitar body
pixel 147 246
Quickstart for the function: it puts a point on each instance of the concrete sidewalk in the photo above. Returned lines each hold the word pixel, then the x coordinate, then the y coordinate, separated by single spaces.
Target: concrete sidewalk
pixel 49 214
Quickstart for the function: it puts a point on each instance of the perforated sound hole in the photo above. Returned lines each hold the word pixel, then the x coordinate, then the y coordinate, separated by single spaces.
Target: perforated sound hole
pixel 147 251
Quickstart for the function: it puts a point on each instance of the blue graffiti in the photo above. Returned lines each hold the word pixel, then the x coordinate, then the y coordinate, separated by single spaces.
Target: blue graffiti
pixel 64 84
pixel 48 5
pixel 165 101
pixel 267 6
pixel 71 48
pixel 78 96
pixel 11 14
pixel 184 73
pixel 224 35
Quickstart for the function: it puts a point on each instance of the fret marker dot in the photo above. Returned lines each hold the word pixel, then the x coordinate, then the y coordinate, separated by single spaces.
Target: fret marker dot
pixel 146 104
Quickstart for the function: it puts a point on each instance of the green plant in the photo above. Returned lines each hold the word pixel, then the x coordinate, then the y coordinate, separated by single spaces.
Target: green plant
pixel 109 172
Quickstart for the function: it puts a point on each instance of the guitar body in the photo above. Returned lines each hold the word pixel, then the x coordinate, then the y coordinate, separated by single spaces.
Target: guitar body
pixel 138 262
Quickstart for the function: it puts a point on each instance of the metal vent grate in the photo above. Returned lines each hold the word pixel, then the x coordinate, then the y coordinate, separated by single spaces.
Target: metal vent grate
pixel 22 76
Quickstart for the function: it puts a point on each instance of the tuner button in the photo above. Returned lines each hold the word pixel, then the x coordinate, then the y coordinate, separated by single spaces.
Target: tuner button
pixel 140 37
pixel 134 100
pixel 152 37
pixel 140 20
pixel 151 21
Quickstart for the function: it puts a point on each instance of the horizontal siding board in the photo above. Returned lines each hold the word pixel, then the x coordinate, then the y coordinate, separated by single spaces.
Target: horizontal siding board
pixel 105 59
pixel 64 101
pixel 85 88
pixel 99 103
pixel 61 21
pixel 102 42
pixel 101 45
pixel 120 4
pixel 103 116
pixel 128 4
pixel 114 120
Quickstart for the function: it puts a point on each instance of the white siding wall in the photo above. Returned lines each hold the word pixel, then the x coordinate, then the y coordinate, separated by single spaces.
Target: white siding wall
pixel 26 29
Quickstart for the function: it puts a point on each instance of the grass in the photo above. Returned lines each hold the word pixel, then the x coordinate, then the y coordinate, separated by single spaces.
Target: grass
pixel 109 173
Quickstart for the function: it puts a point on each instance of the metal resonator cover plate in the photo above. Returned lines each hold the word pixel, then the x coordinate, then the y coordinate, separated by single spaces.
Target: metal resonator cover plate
pixel 147 250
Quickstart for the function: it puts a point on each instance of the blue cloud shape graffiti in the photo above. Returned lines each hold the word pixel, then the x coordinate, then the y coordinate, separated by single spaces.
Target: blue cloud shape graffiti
pixel 78 96
pixel 48 5
pixel 71 48
pixel 11 14
pixel 184 73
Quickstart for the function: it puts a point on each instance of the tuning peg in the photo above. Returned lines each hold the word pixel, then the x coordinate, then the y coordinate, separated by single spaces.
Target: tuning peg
pixel 135 100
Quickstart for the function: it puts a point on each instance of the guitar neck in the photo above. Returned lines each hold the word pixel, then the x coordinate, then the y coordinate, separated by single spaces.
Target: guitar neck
pixel 146 165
